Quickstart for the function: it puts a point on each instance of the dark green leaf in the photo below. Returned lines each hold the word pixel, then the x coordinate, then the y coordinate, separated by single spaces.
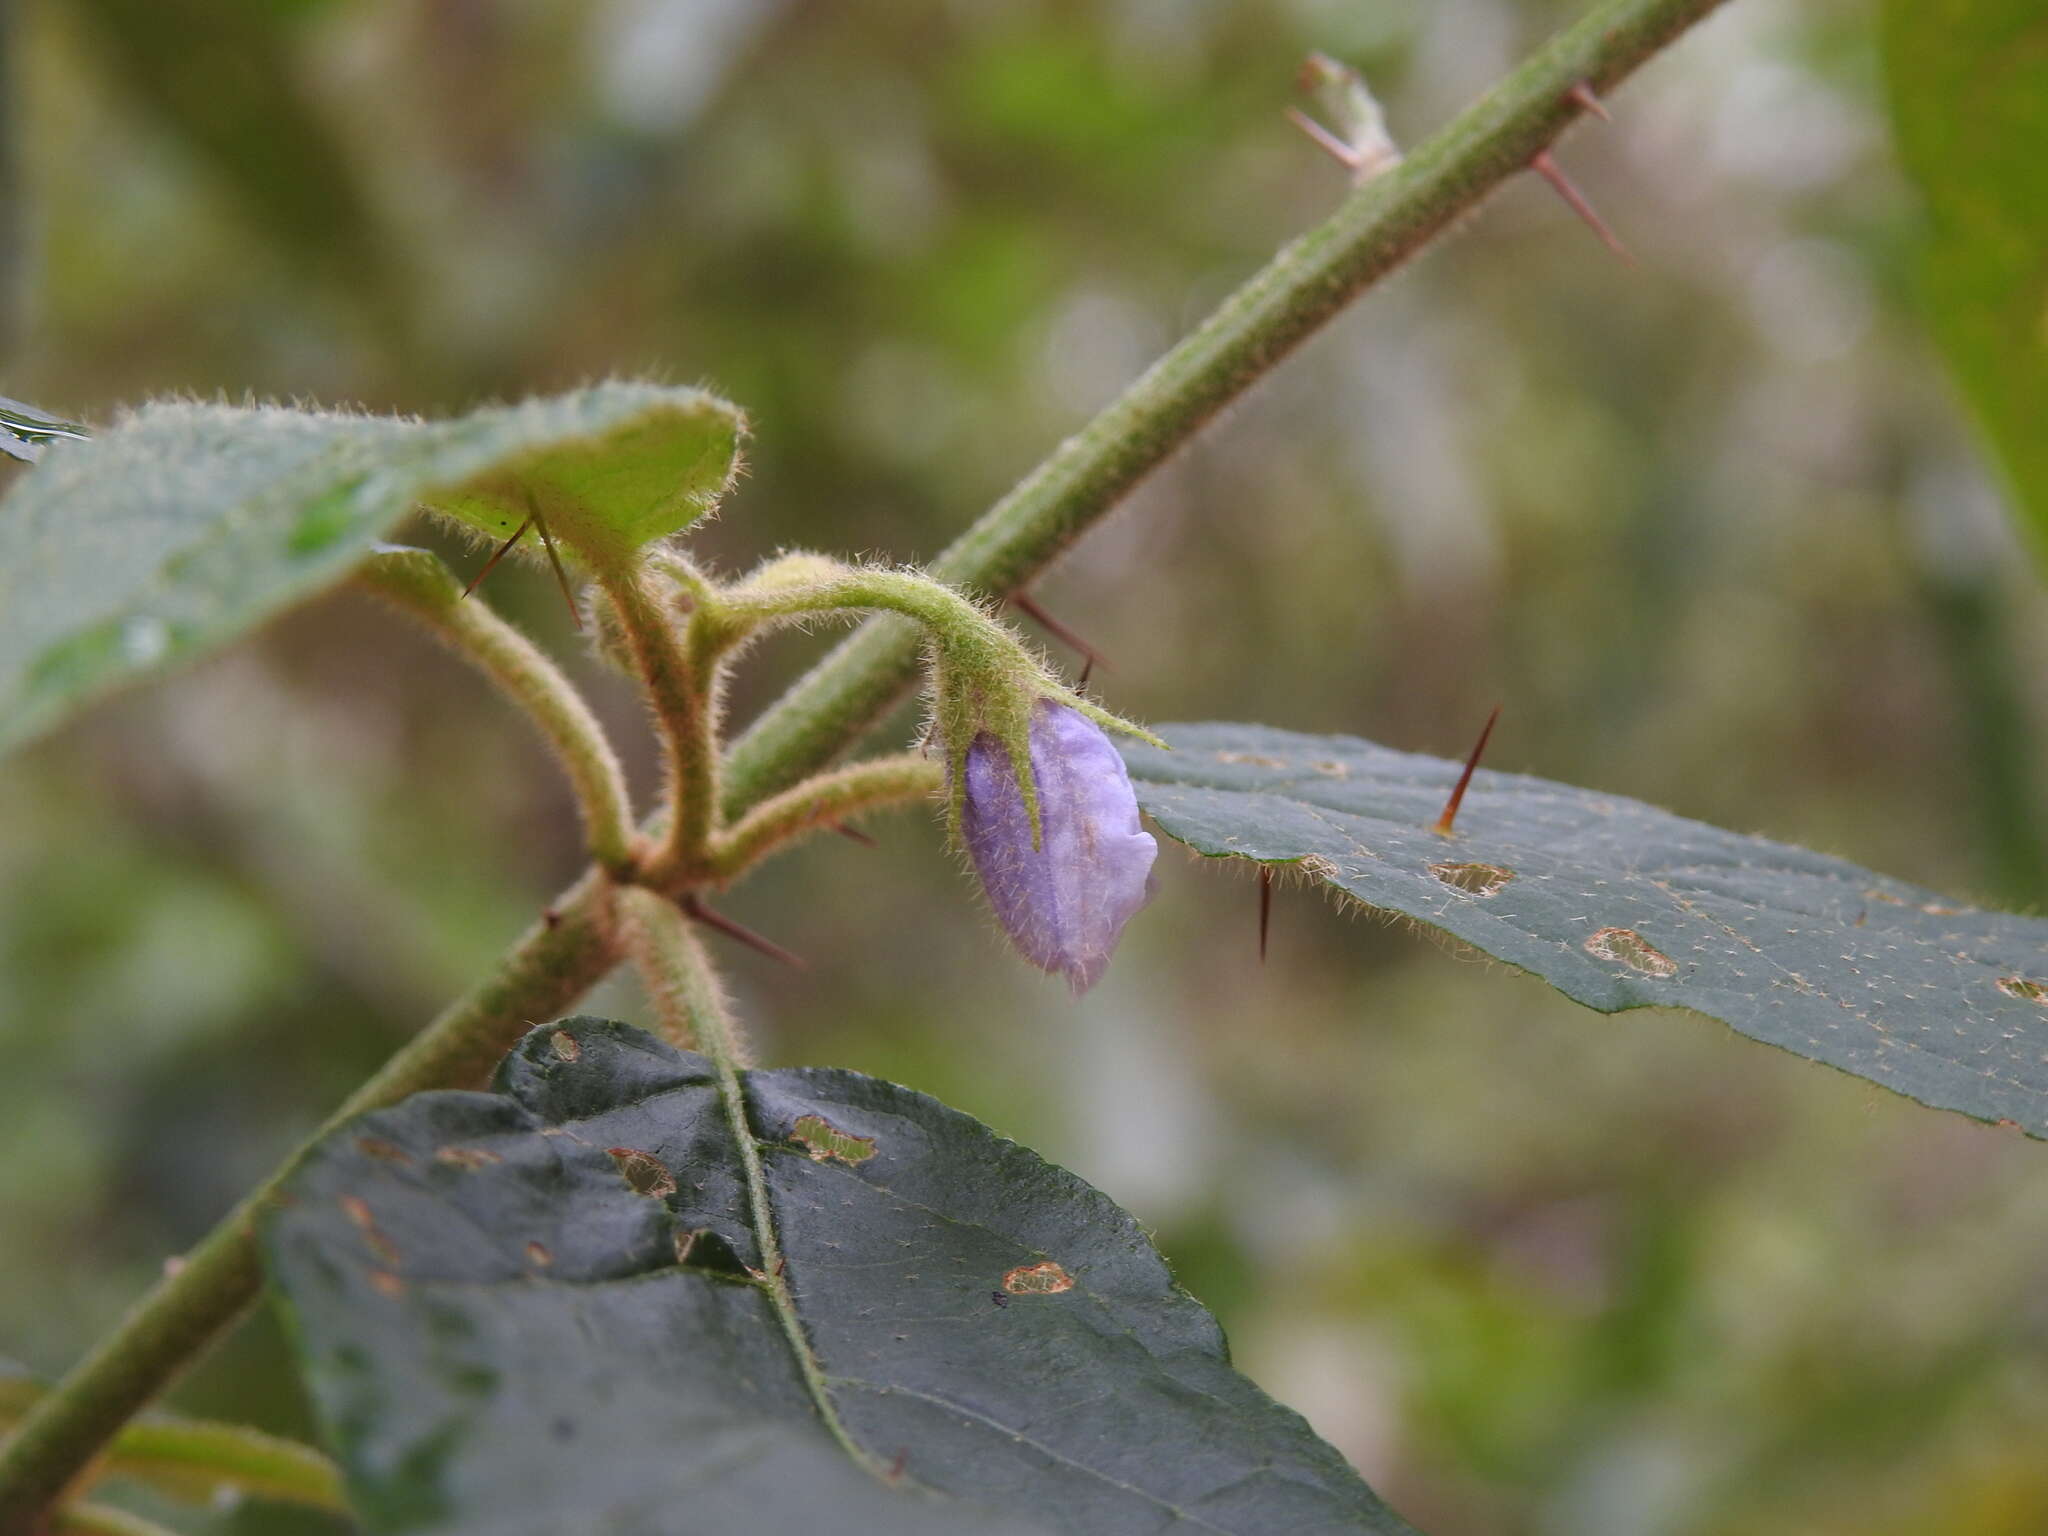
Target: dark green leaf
pixel 1969 92
pixel 533 1311
pixel 187 524
pixel 1619 905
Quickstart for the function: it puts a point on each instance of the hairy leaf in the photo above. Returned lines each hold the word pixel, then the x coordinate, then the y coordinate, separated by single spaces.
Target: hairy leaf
pixel 187 524
pixel 541 1310
pixel 1619 905
pixel 1969 93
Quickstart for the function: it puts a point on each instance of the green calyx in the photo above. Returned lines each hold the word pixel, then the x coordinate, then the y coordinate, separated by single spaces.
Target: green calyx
pixel 985 680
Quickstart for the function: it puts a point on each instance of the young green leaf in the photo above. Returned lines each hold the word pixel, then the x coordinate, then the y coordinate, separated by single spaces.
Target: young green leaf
pixel 1969 95
pixel 1619 905
pixel 187 524
pixel 542 1309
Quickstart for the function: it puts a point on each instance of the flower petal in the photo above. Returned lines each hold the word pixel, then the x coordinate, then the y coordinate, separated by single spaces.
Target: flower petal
pixel 1063 903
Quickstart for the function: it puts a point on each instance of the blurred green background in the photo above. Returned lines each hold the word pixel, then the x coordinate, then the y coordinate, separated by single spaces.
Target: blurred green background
pixel 1712 530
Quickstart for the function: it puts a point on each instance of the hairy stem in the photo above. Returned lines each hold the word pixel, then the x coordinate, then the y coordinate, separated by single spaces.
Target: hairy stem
pixel 675 974
pixel 680 675
pixel 1377 228
pixel 555 963
pixel 195 1459
pixel 417 582
pixel 820 803
pixel 104 1520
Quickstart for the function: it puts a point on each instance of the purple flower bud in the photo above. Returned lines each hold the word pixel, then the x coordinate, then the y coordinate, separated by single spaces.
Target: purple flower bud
pixel 1065 902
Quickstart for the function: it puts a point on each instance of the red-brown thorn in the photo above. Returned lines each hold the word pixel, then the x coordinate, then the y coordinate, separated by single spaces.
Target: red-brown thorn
pixel 1543 165
pixel 1052 626
pixel 498 554
pixel 694 908
pixel 1450 815
pixel 1325 140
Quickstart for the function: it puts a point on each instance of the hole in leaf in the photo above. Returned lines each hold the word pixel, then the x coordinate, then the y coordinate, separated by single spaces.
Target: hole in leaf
pixel 357 1210
pixel 537 1255
pixel 2025 988
pixel 702 1248
pixel 1044 1279
pixel 647 1174
pixel 1481 880
pixel 565 1046
pixel 1632 950
pixel 823 1140
pixel 384 1151
pixel 471 1158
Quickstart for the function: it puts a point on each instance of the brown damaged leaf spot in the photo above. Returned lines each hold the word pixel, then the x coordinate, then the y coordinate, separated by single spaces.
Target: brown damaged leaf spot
pixel 1886 897
pixel 384 1151
pixel 686 1243
pixel 647 1173
pixel 1330 768
pixel 357 1210
pixel 1481 880
pixel 2025 988
pixel 1632 950
pixel 1315 864
pixel 824 1141
pixel 1251 759
pixel 565 1046
pixel 471 1158
pixel 1043 1279
pixel 538 1256
pixel 385 1283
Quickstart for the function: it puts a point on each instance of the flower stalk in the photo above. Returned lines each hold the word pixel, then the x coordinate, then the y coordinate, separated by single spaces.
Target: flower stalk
pixel 417 582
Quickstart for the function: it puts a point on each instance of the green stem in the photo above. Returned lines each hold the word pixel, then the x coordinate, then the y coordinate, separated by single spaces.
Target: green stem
pixel 678 983
pixel 1301 289
pixel 194 1459
pixel 683 973
pixel 417 582
pixel 104 1520
pixel 555 963
pixel 680 673
pixel 821 802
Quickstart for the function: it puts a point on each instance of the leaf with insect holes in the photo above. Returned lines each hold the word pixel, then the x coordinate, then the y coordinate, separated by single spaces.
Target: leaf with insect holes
pixel 1969 100
pixel 541 1310
pixel 1619 905
pixel 186 524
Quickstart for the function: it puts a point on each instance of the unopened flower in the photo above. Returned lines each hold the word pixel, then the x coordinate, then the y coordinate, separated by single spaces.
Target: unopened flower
pixel 1064 896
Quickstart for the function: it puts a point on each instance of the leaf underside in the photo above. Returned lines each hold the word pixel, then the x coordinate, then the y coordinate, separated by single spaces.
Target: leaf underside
pixel 188 524
pixel 489 1307
pixel 1619 905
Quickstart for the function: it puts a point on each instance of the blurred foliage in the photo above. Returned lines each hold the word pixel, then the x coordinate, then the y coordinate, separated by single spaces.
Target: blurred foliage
pixel 1969 93
pixel 1710 529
